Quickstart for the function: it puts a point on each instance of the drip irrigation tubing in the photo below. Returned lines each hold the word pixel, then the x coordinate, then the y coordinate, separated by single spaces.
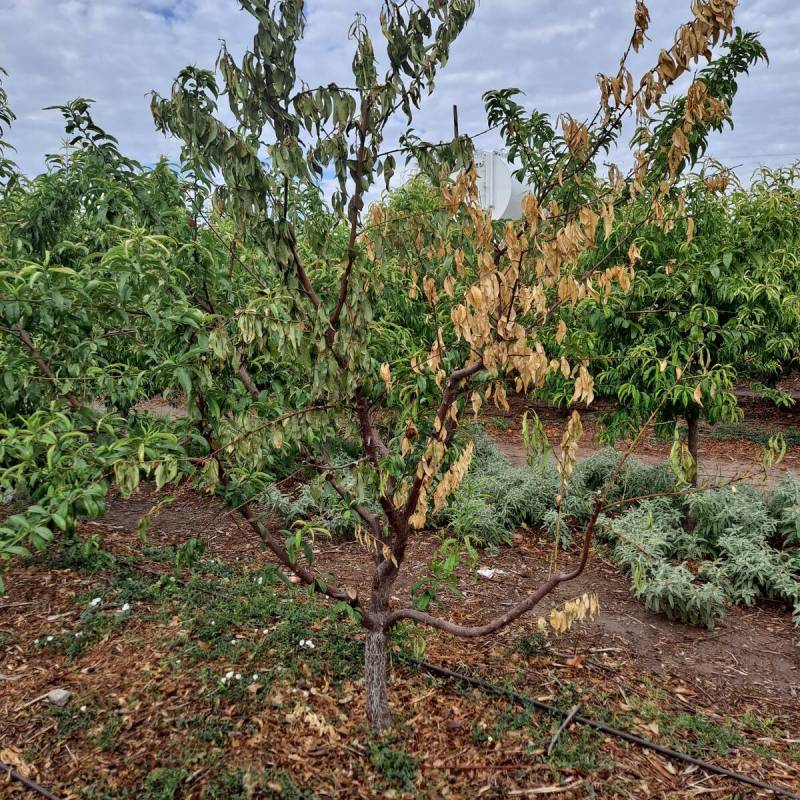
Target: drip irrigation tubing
pixel 524 700
pixel 12 773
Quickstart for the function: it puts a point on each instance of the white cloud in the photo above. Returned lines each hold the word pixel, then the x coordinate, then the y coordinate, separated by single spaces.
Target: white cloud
pixel 116 51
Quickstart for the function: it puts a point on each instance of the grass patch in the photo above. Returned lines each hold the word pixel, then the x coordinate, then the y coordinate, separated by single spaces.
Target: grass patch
pixel 693 734
pixel 394 764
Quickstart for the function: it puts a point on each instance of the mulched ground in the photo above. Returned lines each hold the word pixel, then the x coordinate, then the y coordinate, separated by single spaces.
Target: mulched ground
pixel 731 695
pixel 628 663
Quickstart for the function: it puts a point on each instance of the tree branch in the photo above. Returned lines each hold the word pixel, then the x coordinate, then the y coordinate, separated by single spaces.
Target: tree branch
pixel 41 363
pixel 448 398
pixel 268 537
pixel 474 631
pixel 367 516
pixel 355 210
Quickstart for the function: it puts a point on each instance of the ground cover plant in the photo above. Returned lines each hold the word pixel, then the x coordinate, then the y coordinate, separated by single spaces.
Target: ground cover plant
pixel 234 284
pixel 742 548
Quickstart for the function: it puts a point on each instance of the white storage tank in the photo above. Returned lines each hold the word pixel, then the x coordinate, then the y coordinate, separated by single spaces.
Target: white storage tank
pixel 498 190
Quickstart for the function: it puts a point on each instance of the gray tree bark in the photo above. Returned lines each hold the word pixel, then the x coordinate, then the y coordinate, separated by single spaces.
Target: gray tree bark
pixel 692 426
pixel 375 674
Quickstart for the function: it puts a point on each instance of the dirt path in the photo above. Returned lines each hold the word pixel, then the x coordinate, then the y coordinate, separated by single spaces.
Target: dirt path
pixel 721 461
pixel 714 470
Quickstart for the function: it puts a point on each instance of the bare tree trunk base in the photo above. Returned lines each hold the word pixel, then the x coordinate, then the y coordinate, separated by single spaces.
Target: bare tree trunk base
pixel 375 673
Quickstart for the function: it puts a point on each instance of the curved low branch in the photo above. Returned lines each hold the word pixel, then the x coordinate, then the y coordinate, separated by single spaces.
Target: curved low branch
pixel 270 539
pixel 474 631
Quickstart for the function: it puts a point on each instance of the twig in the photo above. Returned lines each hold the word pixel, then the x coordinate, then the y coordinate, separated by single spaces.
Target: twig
pixel 27 781
pixel 31 702
pixel 562 727
pixel 567 787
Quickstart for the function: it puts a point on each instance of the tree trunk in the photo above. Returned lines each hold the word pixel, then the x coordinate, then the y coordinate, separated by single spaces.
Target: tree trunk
pixel 691 442
pixel 375 673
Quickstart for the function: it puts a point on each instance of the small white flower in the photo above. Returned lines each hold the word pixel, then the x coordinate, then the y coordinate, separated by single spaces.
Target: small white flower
pixel 95 602
pixel 307 643
pixel 83 709
pixel 265 631
pixel 124 608
pixel 177 661
pixel 255 676
pixel 50 638
pixel 238 676
pixel 228 675
pixel 78 634
pixel 213 623
pixel 233 641
pixel 36 641
pixel 260 580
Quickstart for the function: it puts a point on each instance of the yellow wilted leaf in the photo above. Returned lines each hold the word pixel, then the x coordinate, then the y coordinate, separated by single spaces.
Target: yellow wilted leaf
pixel 417 519
pixel 698 395
pixel 477 402
pixel 607 213
pixel 388 554
pixel 589 222
pixel 500 397
pixel 458 257
pixel 558 621
pixel 386 376
pixel 561 331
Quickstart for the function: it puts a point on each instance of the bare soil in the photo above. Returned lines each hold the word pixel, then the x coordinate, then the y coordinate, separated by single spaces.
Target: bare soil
pixel 720 460
pixel 628 663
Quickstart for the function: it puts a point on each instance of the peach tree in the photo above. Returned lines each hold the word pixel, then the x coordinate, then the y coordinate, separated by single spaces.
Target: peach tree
pixel 275 311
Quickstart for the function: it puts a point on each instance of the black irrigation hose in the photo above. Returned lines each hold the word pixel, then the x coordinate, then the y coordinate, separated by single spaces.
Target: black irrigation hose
pixel 599 726
pixel 11 772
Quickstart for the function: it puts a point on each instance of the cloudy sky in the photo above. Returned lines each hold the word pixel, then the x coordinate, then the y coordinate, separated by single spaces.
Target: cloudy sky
pixel 116 51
